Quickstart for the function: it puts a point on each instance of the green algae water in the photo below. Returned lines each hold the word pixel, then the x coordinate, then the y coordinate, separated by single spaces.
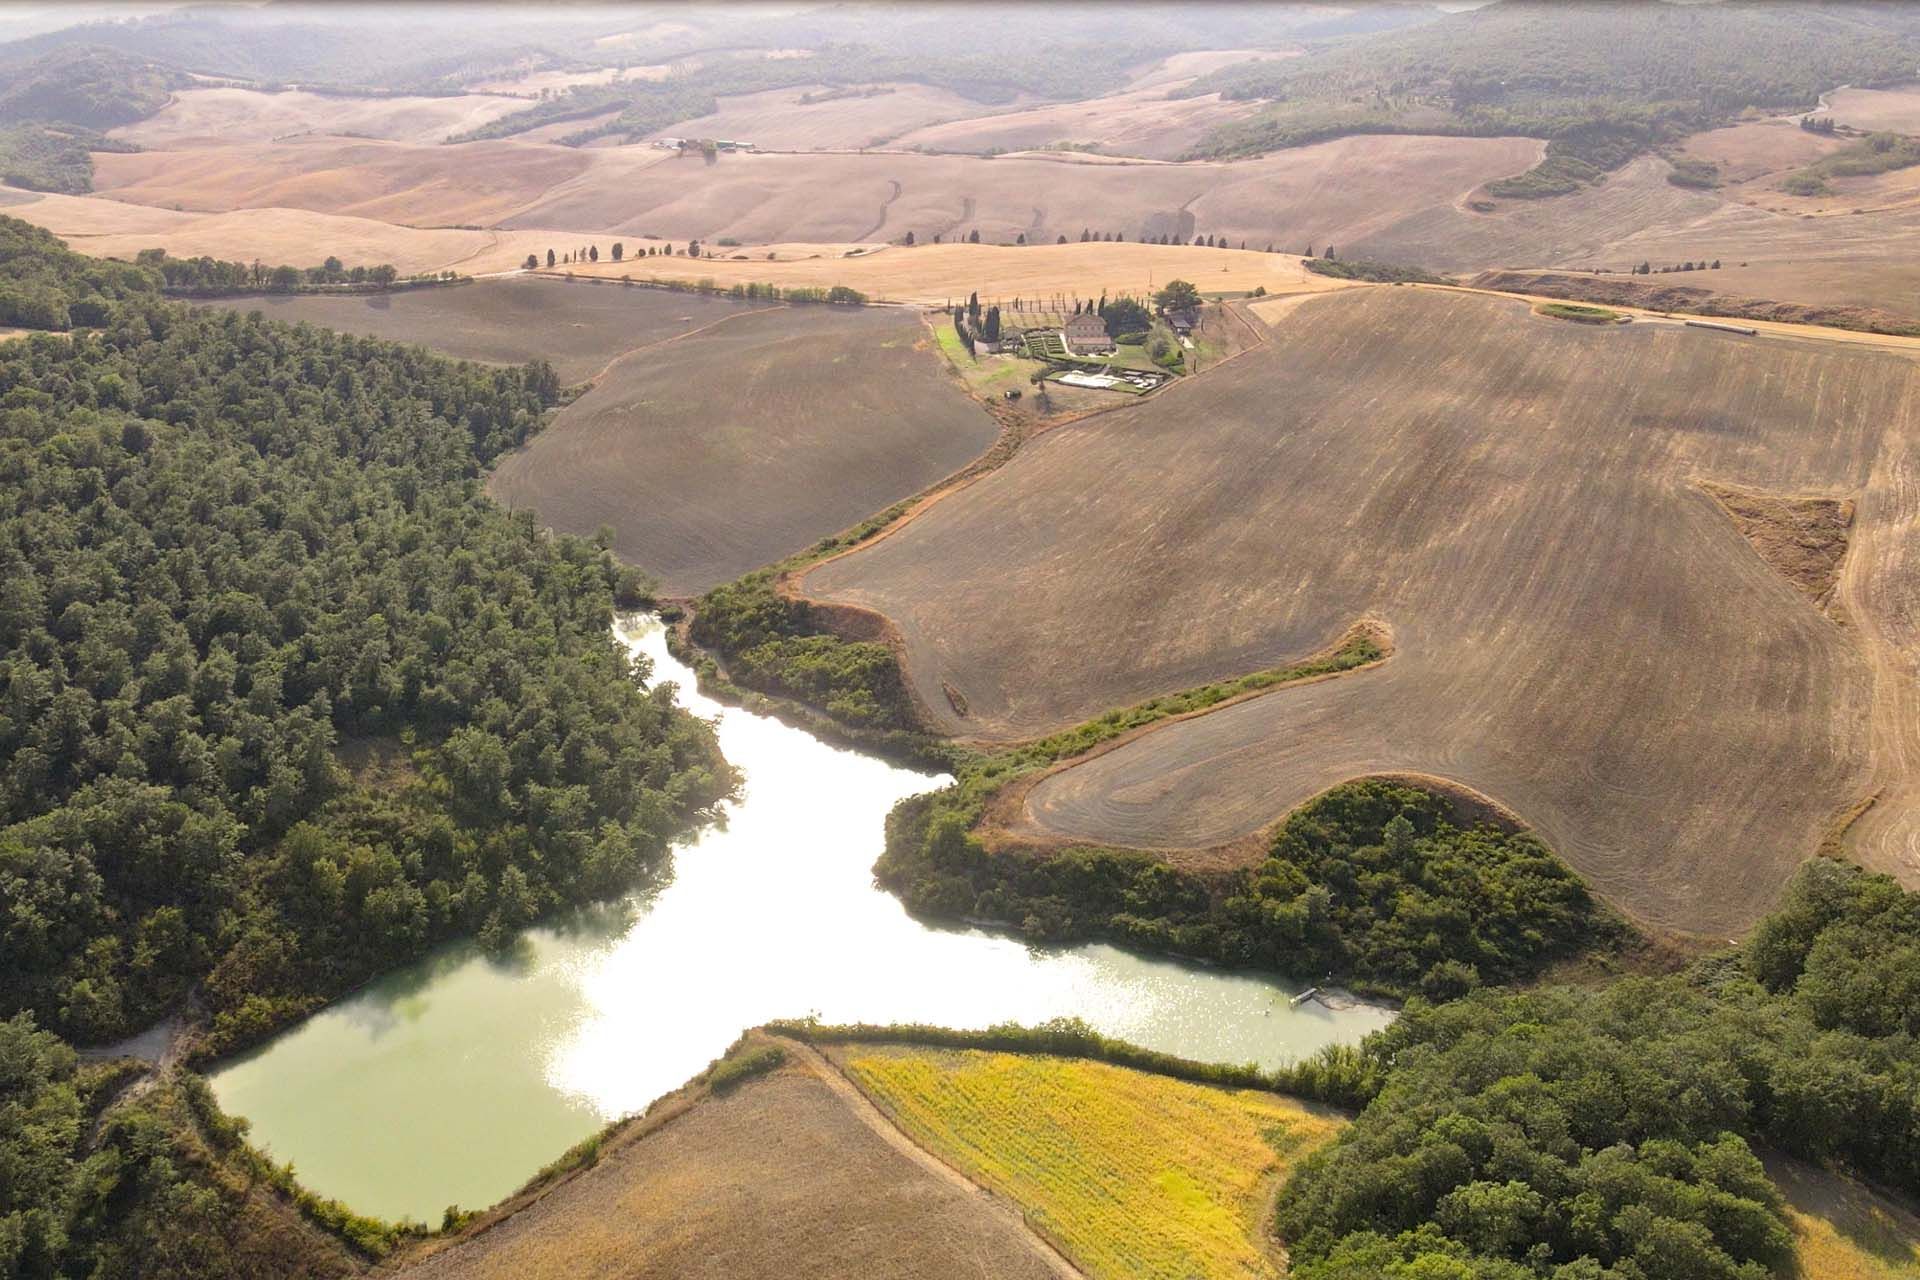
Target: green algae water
pixel 453 1080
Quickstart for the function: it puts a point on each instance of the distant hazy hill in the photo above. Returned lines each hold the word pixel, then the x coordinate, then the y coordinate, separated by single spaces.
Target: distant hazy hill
pixel 1543 68
pixel 92 87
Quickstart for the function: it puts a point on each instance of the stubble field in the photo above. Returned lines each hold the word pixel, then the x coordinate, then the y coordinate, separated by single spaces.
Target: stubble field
pixel 782 120
pixel 1581 632
pixel 937 274
pixel 727 450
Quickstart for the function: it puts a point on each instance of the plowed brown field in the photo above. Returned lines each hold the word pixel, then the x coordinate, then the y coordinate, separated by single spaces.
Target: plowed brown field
pixel 580 328
pixel 718 453
pixel 1581 632
pixel 793 1175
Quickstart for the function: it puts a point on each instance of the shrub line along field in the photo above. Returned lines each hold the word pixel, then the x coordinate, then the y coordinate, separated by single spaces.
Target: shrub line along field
pixel 1539 629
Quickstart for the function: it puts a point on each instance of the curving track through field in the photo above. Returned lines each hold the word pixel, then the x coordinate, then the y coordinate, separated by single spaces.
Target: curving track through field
pixel 1581 633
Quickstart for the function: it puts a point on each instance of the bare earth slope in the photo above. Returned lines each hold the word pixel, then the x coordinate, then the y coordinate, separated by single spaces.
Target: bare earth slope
pixel 580 328
pixel 783 1177
pixel 1581 633
pixel 727 450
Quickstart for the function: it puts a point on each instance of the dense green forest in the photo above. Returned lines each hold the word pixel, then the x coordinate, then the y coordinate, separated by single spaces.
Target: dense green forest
pixel 1568 72
pixel 239 556
pixel 773 644
pixel 52 157
pixel 1605 1134
pixel 90 87
pixel 206 277
pixel 1371 884
pixel 42 286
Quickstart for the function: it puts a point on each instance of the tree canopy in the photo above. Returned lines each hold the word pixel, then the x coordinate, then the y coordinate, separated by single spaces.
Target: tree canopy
pixel 237 557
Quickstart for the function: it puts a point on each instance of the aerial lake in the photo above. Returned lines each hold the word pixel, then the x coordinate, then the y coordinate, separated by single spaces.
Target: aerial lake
pixel 453 1080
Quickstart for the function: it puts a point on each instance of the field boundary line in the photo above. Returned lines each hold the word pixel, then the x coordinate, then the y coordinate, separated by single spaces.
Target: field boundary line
pixel 1889 342
pixel 866 1110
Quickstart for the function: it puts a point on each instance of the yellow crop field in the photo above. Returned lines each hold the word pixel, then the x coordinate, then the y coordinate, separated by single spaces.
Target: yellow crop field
pixel 1129 1174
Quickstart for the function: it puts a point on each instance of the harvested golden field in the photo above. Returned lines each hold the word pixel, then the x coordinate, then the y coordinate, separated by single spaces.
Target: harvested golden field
pixel 1577 230
pixel 223 117
pixel 579 328
pixel 473 184
pixel 1759 148
pixel 111 229
pixel 934 274
pixel 1696 293
pixel 1844 1231
pixel 1580 631
pixel 1896 108
pixel 1134 1176
pixel 812 117
pixel 1869 259
pixel 791 1175
pixel 749 441
pixel 1343 190
pixel 1139 122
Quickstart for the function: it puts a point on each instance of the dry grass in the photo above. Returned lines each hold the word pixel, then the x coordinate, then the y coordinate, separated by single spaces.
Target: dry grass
pixel 1896 108
pixel 1803 538
pixel 1581 633
pixel 778 120
pixel 580 328
pixel 752 440
pixel 1135 1176
pixel 1139 122
pixel 1842 1230
pixel 937 274
pixel 223 117
pixel 474 184
pixel 1759 149
pixel 785 1175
